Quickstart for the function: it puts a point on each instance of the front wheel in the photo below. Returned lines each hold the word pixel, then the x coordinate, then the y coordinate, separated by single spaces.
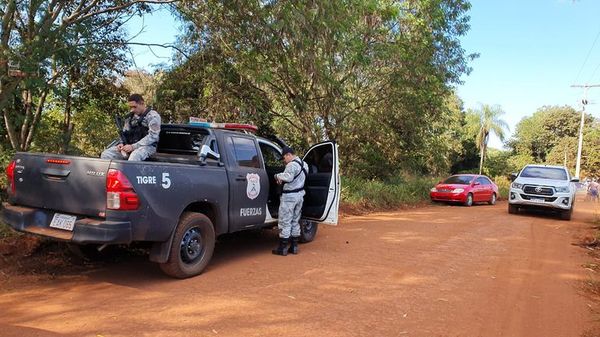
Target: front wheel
pixel 566 215
pixel 308 230
pixel 192 247
pixel 512 209
pixel 469 201
pixel 493 199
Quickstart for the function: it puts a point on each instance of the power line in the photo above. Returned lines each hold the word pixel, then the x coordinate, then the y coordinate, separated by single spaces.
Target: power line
pixel 588 56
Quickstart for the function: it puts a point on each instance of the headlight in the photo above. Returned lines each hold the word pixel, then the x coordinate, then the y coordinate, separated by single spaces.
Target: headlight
pixel 433 189
pixel 516 185
pixel 458 190
pixel 562 189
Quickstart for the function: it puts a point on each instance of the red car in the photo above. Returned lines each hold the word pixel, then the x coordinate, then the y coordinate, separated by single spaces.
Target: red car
pixel 466 189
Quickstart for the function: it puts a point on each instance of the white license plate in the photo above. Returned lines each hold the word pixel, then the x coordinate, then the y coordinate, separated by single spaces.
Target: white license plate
pixel 63 221
pixel 537 200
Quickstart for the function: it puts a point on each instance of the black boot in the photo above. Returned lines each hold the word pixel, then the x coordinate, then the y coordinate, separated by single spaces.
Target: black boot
pixel 294 246
pixel 282 249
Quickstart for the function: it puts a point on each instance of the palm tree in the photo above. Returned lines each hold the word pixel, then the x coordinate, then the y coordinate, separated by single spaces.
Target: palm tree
pixel 489 121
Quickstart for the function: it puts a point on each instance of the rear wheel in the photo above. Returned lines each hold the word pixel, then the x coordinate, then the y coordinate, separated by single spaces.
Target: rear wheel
pixel 308 230
pixel 513 209
pixel 493 199
pixel 192 247
pixel 469 201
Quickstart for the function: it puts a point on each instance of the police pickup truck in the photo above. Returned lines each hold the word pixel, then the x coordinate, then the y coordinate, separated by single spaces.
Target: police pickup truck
pixel 205 180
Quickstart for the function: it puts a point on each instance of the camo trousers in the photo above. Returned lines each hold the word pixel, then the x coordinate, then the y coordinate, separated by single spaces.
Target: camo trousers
pixel 139 154
pixel 290 210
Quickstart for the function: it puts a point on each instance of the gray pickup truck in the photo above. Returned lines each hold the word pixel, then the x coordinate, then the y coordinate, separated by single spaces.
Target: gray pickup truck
pixel 201 183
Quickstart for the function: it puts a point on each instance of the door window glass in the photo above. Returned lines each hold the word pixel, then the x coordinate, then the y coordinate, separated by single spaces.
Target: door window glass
pixel 245 152
pixel 271 155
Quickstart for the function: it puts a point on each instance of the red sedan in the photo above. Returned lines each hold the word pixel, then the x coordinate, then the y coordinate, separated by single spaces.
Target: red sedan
pixel 466 189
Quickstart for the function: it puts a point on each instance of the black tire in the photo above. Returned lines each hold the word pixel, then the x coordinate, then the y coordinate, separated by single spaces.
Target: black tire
pixel 493 199
pixel 308 230
pixel 566 215
pixel 469 201
pixel 513 209
pixel 192 248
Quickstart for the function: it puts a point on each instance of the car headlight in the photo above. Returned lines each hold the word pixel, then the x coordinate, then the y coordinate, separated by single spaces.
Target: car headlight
pixel 433 189
pixel 516 185
pixel 458 190
pixel 562 189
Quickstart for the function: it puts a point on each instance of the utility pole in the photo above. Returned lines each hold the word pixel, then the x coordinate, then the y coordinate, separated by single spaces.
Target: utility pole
pixel 584 102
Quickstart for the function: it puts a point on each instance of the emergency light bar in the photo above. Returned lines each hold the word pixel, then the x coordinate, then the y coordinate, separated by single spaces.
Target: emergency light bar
pixel 227 126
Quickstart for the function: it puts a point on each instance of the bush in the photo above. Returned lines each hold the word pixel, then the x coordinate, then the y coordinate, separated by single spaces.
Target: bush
pixel 503 186
pixel 385 194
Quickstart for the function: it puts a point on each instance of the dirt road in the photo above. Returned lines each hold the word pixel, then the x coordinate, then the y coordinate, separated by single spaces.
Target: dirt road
pixel 432 271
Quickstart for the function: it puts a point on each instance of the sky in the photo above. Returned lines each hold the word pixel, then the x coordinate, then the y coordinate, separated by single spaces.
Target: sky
pixel 531 52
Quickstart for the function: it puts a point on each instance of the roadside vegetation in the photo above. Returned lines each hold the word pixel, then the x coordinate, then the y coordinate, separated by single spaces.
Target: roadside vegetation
pixel 379 77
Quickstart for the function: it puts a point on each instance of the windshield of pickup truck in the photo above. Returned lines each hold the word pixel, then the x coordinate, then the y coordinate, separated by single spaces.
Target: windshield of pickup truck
pixel 459 180
pixel 544 173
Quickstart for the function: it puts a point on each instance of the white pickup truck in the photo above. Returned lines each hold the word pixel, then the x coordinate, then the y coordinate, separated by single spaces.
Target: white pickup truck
pixel 543 187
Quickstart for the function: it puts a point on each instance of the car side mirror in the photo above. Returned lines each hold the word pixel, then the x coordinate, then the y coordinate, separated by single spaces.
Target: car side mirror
pixel 575 180
pixel 206 152
pixel 513 176
pixel 476 183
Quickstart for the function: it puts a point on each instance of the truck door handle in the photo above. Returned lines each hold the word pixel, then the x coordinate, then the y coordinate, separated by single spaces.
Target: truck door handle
pixel 240 178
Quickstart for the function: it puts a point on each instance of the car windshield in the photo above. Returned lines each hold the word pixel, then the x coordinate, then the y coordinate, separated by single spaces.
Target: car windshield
pixel 554 173
pixel 459 180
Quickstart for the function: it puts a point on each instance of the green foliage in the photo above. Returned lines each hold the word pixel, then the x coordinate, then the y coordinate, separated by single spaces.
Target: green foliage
pixel 386 194
pixel 374 72
pixel 503 183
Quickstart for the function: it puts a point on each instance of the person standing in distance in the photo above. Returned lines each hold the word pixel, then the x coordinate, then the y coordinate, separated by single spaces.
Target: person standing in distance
pixel 292 198
pixel 140 130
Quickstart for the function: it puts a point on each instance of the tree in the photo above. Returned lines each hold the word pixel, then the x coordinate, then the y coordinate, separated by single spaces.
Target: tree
pixel 488 119
pixel 328 69
pixel 41 47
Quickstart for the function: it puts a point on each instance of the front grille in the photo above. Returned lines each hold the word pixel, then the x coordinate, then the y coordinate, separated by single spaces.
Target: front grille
pixel 542 190
pixel 444 190
pixel 528 197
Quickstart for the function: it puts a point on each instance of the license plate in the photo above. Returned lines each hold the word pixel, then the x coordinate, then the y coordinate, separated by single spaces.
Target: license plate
pixel 63 221
pixel 537 200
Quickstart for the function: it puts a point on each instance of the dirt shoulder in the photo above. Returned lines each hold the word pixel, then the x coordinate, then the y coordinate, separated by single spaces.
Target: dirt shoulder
pixel 430 271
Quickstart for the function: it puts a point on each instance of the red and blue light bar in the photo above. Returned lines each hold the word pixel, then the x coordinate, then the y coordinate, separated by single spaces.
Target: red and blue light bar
pixel 227 126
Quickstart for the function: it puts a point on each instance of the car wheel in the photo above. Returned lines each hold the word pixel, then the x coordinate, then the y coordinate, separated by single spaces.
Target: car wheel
pixel 566 215
pixel 308 230
pixel 493 199
pixel 192 247
pixel 513 209
pixel 469 201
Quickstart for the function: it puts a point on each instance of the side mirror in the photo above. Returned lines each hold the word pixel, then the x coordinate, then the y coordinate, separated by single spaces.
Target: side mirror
pixel 513 176
pixel 575 180
pixel 476 183
pixel 206 152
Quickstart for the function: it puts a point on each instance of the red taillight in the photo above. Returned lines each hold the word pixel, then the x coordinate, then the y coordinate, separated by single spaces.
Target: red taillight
pixel 119 192
pixel 10 174
pixel 58 161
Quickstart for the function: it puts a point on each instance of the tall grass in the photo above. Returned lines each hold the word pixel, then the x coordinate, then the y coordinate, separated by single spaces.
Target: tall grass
pixel 392 193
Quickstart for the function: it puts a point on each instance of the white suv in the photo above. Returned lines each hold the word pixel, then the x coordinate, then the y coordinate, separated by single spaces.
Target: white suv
pixel 543 187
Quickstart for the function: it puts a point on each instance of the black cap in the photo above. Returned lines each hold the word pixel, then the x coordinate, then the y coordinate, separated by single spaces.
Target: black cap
pixel 286 150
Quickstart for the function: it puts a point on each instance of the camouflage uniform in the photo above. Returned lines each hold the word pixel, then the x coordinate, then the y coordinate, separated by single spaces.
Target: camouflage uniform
pixel 143 148
pixel 290 207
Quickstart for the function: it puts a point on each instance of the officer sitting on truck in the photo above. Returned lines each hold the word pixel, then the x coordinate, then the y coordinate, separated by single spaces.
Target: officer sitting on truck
pixel 139 136
pixel 292 198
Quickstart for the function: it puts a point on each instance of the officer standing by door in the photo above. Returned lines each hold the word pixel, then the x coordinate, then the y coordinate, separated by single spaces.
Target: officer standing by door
pixel 292 198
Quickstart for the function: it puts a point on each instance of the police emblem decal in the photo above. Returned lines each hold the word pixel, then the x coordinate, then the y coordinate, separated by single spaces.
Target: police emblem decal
pixel 253 187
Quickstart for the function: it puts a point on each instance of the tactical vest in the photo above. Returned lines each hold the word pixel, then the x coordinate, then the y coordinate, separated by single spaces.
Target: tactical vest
pixel 302 170
pixel 138 131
